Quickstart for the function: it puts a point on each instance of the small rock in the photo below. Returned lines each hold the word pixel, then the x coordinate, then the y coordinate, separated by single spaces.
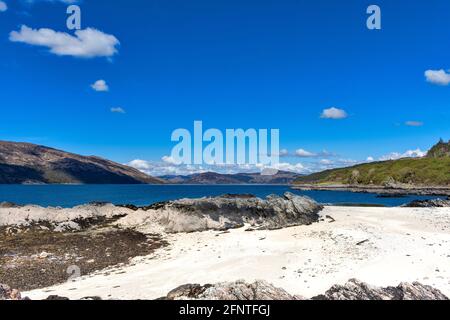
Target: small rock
pixel 56 298
pixel 44 255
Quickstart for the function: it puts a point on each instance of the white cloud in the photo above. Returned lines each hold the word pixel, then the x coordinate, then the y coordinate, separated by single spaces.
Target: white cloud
pixel 347 162
pixel 169 160
pixel 333 113
pixel 285 166
pixel 117 110
pixel 408 154
pixel 439 77
pixel 370 159
pixel 3 6
pixel 326 161
pixel 100 86
pixel 168 167
pixel 140 164
pixel 302 153
pixel 284 153
pixel 87 43
pixel 414 123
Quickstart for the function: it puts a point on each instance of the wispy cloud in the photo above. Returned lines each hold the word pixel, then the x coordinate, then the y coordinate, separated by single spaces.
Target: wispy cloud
pixel 414 123
pixel 87 43
pixel 334 113
pixel 302 153
pixel 117 110
pixel 407 154
pixel 100 86
pixel 439 77
pixel 3 6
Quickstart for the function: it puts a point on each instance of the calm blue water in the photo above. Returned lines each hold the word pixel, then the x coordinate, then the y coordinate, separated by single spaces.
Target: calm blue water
pixel 72 195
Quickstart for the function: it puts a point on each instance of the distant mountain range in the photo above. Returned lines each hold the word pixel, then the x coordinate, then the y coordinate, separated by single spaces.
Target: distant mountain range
pixel 432 170
pixel 282 177
pixel 25 163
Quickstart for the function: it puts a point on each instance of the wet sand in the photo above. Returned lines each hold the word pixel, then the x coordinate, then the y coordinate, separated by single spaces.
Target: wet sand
pixel 33 257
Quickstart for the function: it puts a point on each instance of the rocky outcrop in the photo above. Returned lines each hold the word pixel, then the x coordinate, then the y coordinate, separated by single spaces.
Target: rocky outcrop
pixel 6 293
pixel 186 215
pixel 239 290
pixel 357 290
pixel 440 150
pixel 434 203
pixel 261 290
pixel 21 218
pixel 225 212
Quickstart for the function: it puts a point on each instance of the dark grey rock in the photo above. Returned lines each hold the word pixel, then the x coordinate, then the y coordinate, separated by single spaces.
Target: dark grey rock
pixel 434 203
pixel 57 298
pixel 7 205
pixel 357 290
pixel 262 290
pixel 239 290
pixel 228 212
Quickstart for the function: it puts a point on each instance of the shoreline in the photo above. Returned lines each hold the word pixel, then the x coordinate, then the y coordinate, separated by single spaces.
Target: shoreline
pixel 374 245
pixel 420 191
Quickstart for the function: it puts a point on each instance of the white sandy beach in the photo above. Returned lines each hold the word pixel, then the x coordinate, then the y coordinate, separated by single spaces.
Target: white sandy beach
pixel 396 245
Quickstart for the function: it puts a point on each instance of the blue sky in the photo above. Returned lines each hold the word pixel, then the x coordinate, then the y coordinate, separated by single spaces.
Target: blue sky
pixel 231 64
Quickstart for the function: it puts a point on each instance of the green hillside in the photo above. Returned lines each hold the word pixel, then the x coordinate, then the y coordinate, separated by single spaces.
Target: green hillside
pixel 433 170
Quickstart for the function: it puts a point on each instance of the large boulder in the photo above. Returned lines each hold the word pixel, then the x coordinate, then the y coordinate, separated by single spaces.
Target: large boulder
pixel 357 290
pixel 433 203
pixel 185 215
pixel 239 290
pixel 224 212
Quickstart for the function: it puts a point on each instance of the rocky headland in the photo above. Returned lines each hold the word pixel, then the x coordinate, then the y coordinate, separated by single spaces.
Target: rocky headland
pixel 383 190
